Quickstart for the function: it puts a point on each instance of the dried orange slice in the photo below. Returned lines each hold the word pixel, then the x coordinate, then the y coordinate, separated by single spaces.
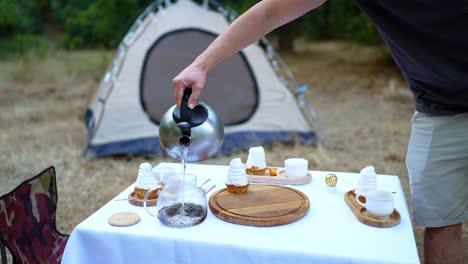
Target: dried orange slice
pixel 272 171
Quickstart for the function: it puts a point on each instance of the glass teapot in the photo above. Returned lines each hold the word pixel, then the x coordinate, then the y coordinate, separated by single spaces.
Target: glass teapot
pixel 181 203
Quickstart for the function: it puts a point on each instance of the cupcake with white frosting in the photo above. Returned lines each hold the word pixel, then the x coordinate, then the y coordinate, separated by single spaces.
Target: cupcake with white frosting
pixel 237 179
pixel 367 181
pixel 146 180
pixel 256 161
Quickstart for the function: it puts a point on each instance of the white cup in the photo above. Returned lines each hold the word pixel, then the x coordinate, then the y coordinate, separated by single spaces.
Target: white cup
pixel 161 172
pixel 377 202
pixel 296 167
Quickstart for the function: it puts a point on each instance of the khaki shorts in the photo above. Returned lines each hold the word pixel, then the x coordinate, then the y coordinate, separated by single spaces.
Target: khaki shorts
pixel 437 162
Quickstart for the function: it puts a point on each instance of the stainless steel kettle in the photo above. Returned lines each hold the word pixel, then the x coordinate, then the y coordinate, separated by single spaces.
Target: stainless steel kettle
pixel 199 130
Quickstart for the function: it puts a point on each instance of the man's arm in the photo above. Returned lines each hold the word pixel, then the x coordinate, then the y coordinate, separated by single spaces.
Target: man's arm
pixel 245 30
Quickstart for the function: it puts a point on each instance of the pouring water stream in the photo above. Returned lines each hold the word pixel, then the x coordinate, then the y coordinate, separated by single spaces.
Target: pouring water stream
pixel 184 151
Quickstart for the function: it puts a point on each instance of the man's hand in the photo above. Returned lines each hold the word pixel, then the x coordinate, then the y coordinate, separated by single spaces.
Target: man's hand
pixel 193 77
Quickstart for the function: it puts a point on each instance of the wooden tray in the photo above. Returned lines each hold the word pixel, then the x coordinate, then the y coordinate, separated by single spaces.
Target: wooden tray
pixel 261 205
pixel 364 217
pixel 280 178
pixel 132 199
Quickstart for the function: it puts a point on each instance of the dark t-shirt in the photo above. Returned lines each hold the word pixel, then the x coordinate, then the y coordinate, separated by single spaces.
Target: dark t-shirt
pixel 429 41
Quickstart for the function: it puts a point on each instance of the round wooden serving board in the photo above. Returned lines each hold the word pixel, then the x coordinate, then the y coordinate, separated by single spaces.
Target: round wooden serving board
pixel 261 205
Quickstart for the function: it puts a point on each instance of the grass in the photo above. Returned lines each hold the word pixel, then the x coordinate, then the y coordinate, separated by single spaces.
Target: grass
pixel 361 99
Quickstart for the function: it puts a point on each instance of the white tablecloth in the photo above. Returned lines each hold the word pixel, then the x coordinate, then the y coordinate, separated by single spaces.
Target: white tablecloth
pixel 329 233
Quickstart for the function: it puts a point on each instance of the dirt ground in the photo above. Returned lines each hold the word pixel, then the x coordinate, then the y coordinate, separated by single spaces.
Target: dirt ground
pixel 362 100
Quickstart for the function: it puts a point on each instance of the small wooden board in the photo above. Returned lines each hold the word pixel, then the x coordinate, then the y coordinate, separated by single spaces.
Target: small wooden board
pixel 133 199
pixel 280 178
pixel 364 217
pixel 261 205
pixel 124 219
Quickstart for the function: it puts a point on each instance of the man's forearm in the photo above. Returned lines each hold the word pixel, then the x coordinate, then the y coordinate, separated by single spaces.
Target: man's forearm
pixel 253 25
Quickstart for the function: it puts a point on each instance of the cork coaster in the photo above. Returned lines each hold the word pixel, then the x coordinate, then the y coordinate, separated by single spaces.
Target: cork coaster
pixel 124 219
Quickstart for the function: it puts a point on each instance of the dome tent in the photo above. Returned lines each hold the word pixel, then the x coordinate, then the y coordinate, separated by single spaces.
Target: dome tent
pixel 253 91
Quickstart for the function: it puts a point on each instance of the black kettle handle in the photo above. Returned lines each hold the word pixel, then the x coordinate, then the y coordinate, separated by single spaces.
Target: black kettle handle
pixel 187 118
pixel 185 112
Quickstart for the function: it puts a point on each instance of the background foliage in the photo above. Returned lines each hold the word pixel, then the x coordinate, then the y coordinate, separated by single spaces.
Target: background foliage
pixel 76 24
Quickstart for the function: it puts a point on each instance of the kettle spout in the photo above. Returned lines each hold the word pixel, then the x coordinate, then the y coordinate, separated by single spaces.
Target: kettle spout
pixel 184 140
